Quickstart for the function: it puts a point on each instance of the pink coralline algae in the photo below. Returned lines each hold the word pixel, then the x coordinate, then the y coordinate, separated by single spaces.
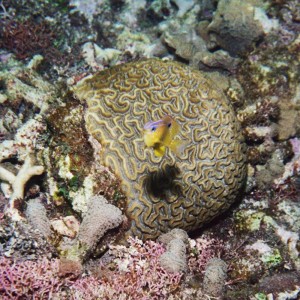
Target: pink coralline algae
pixel 202 250
pixel 132 273
pixel 135 273
pixel 29 279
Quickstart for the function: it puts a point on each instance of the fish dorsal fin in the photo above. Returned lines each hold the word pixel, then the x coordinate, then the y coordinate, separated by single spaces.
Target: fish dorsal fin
pixel 177 146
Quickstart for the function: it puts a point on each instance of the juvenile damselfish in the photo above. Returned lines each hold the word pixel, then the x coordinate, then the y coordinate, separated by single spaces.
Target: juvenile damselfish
pixel 161 134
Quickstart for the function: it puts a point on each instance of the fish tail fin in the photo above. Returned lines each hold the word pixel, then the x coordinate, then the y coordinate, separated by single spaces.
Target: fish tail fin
pixel 159 151
pixel 177 146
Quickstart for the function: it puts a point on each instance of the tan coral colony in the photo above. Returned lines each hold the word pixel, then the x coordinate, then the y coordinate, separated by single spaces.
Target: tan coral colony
pixel 170 192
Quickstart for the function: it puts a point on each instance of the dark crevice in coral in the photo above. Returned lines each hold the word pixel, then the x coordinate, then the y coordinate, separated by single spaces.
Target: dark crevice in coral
pixel 162 182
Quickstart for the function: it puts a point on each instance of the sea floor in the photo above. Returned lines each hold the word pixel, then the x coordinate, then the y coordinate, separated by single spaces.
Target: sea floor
pixel 62 210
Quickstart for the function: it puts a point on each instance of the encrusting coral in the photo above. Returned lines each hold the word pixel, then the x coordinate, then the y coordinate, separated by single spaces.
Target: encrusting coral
pixel 214 277
pixel 178 192
pixel 37 215
pixel 175 258
pixel 99 218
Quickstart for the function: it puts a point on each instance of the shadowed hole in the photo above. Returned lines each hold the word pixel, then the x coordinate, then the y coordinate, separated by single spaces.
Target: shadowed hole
pixel 161 182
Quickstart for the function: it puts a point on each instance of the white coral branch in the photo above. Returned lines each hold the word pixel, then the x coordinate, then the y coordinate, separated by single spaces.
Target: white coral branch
pixel 6 175
pixel 18 183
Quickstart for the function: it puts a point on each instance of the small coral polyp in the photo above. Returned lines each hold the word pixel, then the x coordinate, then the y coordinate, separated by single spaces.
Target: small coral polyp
pixel 174 192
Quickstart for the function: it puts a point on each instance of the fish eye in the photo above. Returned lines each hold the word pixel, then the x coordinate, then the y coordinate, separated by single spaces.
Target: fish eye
pixel 169 125
pixel 153 128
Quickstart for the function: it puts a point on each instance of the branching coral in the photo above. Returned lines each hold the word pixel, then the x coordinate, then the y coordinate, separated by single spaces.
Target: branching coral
pixel 29 279
pixel 26 142
pixel 202 250
pixel 18 182
pixel 136 274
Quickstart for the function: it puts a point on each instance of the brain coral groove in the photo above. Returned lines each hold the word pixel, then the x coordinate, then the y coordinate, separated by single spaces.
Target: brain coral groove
pixel 164 193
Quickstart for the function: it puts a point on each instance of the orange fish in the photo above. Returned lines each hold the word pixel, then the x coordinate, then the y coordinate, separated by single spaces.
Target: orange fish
pixel 161 134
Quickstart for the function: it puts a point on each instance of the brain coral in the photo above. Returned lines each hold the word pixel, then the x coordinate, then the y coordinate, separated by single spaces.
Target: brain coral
pixel 170 192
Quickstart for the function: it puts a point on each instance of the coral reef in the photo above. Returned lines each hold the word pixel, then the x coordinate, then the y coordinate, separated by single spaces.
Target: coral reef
pixel 99 218
pixel 137 266
pixel 69 245
pixel 153 185
pixel 134 272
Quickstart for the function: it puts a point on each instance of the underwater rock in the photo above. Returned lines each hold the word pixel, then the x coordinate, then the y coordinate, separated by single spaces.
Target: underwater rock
pixel 270 171
pixel 288 125
pixel 175 192
pixel 23 82
pixel 95 56
pixel 183 6
pixel 292 168
pixel 185 42
pixel 87 8
pixel 237 25
pixel 67 226
pixel 281 285
pixel 190 46
pixel 159 9
pixel 22 241
pixel 131 12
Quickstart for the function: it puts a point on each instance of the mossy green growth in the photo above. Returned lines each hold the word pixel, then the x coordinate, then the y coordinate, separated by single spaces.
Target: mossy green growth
pixel 62 5
pixel 272 259
pixel 75 253
pixel 74 183
pixel 249 220
pixel 260 296
pixel 63 192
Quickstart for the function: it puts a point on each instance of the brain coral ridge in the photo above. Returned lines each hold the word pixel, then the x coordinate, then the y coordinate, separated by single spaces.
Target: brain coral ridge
pixel 170 192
